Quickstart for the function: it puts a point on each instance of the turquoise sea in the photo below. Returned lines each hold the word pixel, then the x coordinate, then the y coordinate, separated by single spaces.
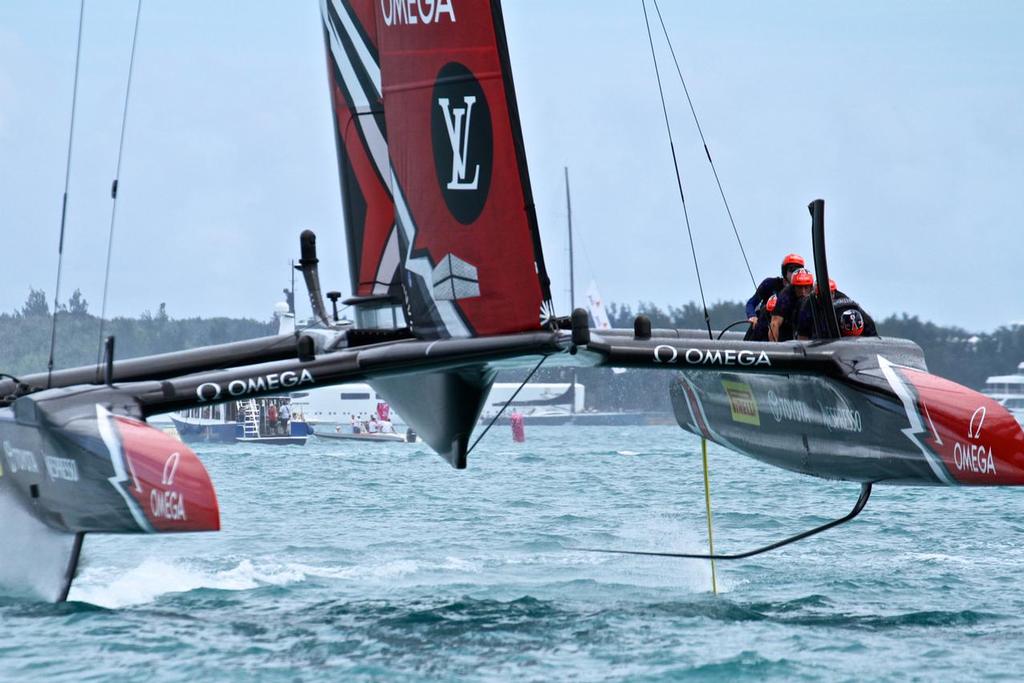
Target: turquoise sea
pixel 344 561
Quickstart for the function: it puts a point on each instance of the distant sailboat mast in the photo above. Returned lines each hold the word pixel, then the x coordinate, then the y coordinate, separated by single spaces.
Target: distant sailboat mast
pixel 572 278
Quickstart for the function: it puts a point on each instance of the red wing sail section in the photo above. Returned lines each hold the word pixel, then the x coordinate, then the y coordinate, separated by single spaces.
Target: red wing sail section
pixel 460 184
pixel 353 71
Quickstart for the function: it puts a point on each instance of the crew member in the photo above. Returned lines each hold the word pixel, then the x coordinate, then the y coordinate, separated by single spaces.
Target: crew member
pixel 769 287
pixel 787 307
pixel 764 320
pixel 283 416
pixel 808 325
pixel 854 321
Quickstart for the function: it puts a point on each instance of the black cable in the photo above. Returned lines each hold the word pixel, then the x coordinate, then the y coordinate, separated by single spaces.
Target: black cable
pixel 64 203
pixel 509 401
pixel 679 178
pixel 117 175
pixel 705 143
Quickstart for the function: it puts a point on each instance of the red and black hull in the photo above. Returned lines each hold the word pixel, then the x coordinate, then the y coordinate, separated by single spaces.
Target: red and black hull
pixel 885 420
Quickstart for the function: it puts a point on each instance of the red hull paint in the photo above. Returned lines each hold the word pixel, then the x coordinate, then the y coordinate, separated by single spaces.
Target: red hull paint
pixel 167 480
pixel 977 441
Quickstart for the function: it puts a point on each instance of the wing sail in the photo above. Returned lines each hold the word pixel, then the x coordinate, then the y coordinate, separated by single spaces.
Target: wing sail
pixel 460 184
pixel 353 72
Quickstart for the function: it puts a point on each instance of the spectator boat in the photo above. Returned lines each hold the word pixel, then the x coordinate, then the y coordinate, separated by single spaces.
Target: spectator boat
pixel 255 420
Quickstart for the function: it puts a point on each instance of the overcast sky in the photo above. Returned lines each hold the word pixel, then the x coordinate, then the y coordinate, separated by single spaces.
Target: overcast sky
pixel 907 118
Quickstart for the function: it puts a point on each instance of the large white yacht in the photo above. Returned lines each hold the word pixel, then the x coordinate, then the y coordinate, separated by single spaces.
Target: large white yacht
pixel 1009 391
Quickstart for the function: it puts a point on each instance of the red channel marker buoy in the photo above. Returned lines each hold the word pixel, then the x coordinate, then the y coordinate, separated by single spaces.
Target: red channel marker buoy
pixel 518 430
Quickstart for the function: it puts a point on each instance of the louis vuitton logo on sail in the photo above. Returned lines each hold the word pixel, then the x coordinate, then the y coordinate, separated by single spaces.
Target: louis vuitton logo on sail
pixel 458 120
pixel 462 138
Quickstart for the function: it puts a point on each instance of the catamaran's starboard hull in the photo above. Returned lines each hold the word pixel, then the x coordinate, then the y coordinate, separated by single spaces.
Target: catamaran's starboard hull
pixel 893 425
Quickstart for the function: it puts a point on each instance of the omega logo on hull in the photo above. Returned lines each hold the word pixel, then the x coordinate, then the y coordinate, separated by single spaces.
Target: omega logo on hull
pixel 212 391
pixel 974 457
pixel 664 353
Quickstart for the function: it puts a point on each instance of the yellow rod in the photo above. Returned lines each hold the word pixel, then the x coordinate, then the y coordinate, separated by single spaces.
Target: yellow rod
pixel 707 503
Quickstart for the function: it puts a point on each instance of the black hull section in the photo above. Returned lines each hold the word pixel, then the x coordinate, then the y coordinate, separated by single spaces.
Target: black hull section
pixel 820 426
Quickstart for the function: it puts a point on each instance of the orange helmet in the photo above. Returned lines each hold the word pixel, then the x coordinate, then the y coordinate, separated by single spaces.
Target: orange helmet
pixel 790 263
pixel 802 278
pixel 770 304
pixel 831 286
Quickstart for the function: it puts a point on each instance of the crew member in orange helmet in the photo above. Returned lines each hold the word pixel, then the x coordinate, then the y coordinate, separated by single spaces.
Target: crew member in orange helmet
pixel 784 317
pixel 764 320
pixel 859 323
pixel 770 287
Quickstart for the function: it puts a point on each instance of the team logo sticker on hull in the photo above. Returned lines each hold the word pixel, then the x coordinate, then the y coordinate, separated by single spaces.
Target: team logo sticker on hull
pixel 742 404
pixel 463 141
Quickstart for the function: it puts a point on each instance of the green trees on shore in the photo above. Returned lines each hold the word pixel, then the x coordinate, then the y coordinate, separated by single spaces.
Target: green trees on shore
pixel 952 352
pixel 25 334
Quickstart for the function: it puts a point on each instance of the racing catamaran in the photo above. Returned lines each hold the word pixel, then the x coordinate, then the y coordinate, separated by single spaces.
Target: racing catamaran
pixel 443 240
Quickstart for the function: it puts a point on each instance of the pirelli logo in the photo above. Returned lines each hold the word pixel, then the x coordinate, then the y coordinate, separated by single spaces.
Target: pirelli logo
pixel 742 403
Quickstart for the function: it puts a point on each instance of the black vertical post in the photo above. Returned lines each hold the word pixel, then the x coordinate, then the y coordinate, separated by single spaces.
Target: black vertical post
pixel 108 365
pixel 823 301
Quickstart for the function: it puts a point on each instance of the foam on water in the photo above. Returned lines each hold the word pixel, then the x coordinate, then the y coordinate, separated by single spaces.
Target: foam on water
pixel 115 587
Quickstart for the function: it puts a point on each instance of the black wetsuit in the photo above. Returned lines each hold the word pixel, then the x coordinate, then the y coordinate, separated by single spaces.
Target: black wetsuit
pixel 787 307
pixel 807 323
pixel 812 328
pixel 759 331
pixel 769 287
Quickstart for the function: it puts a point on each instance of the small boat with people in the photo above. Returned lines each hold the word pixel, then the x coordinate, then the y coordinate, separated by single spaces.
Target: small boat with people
pixel 376 425
pixel 270 420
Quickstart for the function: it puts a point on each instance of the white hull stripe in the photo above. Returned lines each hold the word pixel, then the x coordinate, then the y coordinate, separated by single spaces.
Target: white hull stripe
pixel 104 419
pixel 916 427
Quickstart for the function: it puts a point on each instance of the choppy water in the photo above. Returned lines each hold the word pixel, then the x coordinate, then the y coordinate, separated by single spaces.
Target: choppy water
pixel 352 561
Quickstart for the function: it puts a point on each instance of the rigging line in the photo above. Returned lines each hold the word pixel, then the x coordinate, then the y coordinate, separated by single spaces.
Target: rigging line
pixel 675 166
pixel 117 174
pixel 507 403
pixel 707 152
pixel 64 202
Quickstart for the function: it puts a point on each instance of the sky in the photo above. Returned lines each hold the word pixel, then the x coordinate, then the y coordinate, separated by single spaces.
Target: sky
pixel 907 118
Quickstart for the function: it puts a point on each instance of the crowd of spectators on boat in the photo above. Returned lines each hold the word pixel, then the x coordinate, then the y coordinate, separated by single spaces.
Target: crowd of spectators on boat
pixel 371 424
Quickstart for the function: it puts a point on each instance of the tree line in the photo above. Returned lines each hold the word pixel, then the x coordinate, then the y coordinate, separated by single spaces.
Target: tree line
pixel 25 333
pixel 952 352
